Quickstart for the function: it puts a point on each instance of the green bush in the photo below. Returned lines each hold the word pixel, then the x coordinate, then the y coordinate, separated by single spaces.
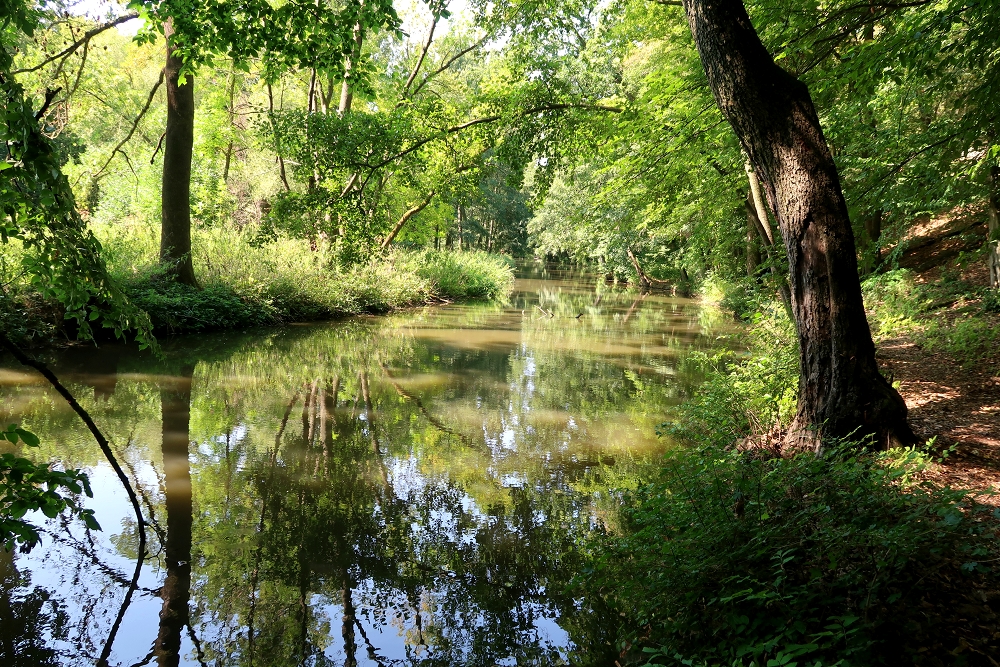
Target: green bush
pixel 246 283
pixel 740 558
pixel 967 338
pixel 736 556
pixel 173 307
pixel 939 316
pixel 745 393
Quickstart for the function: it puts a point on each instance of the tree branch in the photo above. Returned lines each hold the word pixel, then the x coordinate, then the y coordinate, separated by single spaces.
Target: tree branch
pixel 448 63
pixel 135 125
pixel 420 60
pixel 489 119
pixel 403 220
pixel 87 36
pixel 25 360
pixel 50 95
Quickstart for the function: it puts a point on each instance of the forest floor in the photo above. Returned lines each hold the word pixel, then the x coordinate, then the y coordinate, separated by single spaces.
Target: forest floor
pixel 959 403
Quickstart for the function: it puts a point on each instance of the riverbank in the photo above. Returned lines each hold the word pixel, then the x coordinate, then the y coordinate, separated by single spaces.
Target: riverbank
pixel 737 553
pixel 245 283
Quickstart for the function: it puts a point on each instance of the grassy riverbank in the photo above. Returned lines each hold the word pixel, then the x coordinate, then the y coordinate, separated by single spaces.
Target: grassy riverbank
pixel 738 555
pixel 246 284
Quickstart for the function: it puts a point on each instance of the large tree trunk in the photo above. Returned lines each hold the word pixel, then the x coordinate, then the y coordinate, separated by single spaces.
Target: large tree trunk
pixel 841 392
pixel 178 144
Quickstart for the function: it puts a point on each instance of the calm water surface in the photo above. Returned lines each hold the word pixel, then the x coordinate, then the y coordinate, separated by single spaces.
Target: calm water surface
pixel 378 491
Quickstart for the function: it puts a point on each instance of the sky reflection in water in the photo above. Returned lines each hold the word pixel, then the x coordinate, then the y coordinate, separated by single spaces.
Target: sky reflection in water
pixel 379 491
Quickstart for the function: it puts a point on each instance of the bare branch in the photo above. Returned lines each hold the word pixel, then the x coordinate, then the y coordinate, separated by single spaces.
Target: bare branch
pixel 87 36
pixel 420 60
pixel 135 125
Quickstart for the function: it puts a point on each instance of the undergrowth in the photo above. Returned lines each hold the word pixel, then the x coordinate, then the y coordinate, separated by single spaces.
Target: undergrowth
pixel 245 284
pixel 946 315
pixel 736 556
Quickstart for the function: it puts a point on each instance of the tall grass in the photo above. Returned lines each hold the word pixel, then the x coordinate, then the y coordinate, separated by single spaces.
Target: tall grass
pixel 245 283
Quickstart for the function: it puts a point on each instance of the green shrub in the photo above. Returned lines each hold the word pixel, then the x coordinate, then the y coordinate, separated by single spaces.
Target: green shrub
pixel 968 338
pixel 736 556
pixel 173 307
pixel 991 301
pixel 939 316
pixel 740 558
pixel 745 393
pixel 246 283
pixel 469 275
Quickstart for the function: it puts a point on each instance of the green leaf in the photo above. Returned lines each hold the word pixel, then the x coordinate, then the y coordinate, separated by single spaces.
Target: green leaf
pixel 29 438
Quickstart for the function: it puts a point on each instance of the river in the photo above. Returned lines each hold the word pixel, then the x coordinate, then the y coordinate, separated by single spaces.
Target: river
pixel 405 489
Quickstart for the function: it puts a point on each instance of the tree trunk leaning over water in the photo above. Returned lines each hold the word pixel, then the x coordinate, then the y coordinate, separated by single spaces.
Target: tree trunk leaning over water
pixel 178 144
pixel 841 392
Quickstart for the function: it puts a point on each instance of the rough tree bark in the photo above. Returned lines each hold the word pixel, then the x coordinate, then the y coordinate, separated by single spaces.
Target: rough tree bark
pixel 841 392
pixel 178 144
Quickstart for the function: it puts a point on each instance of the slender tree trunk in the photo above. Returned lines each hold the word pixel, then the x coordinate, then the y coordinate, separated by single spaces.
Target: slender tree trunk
pixel 403 220
pixel 178 144
pixel 753 250
pixel 873 232
pixel 231 112
pixel 993 232
pixel 460 227
pixel 346 89
pixel 758 218
pixel 841 392
pixel 281 160
pixel 347 621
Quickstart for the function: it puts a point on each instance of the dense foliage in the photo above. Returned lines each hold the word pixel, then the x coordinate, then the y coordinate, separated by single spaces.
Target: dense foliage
pixel 26 487
pixel 326 133
pixel 739 557
pixel 736 555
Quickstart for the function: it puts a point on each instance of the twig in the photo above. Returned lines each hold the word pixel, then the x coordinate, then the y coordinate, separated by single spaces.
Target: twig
pixel 50 95
pixel 87 36
pixel 135 125
pixel 448 63
pixel 157 149
pixel 420 60
pixel 25 360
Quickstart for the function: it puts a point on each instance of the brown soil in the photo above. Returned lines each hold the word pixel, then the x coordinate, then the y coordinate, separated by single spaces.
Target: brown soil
pixel 959 405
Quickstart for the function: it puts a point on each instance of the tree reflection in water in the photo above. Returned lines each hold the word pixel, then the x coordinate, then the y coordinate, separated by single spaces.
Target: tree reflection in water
pixel 404 491
pixel 175 407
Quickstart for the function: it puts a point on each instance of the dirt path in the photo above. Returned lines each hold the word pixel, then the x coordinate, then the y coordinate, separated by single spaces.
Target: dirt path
pixel 961 406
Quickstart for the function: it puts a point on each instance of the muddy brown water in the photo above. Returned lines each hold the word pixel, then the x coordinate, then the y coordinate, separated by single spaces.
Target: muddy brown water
pixel 407 489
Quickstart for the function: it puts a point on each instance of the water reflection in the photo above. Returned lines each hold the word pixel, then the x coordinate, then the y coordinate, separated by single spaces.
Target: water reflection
pixel 175 406
pixel 384 491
